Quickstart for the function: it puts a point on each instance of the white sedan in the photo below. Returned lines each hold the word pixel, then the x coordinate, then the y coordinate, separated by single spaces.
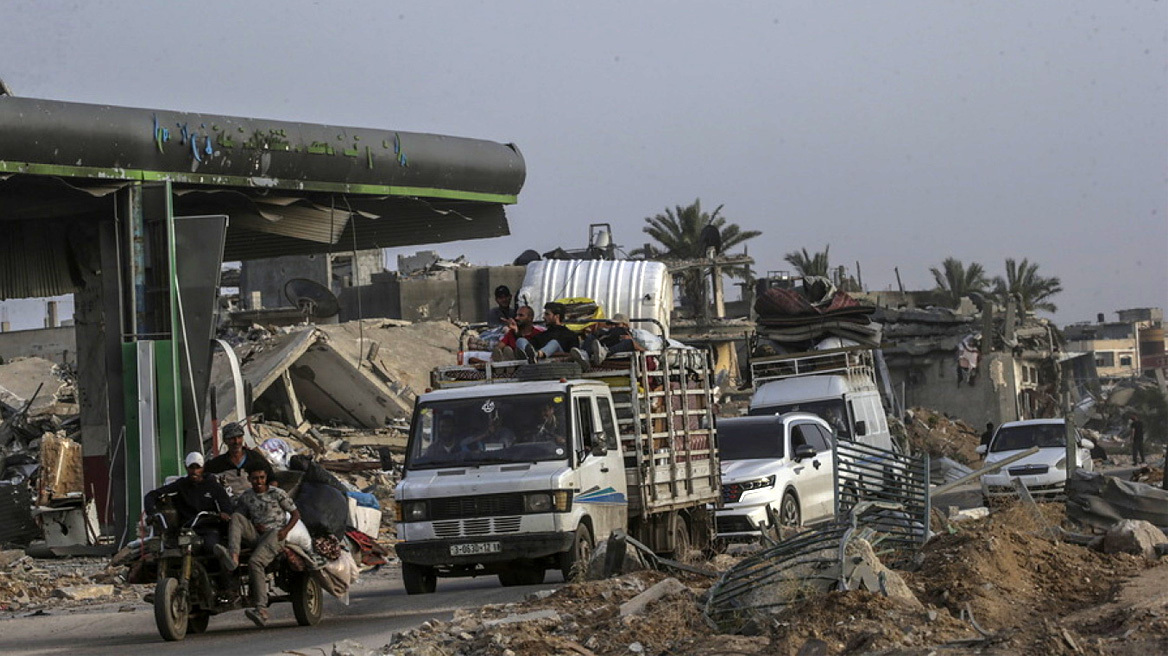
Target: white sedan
pixel 1045 473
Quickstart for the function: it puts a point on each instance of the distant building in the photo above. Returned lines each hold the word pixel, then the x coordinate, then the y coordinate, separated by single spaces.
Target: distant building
pixel 1124 348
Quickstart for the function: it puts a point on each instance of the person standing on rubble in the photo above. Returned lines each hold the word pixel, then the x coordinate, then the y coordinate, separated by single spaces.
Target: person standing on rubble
pixel 239 462
pixel 988 434
pixel 1137 440
pixel 258 522
pixel 502 312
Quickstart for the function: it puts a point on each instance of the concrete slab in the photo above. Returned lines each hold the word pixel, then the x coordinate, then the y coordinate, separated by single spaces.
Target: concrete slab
pixel 19 380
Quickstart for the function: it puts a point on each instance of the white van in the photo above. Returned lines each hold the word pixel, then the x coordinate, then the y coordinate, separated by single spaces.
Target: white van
pixel 838 385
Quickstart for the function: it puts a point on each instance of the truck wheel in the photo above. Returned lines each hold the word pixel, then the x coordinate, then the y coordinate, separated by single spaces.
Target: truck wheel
pixel 574 561
pixel 522 575
pixel 789 513
pixel 171 610
pixel 548 371
pixel 307 602
pixel 419 579
pixel 198 623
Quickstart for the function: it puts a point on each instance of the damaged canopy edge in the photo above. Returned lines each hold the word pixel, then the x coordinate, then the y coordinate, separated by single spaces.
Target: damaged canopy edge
pixel 47 137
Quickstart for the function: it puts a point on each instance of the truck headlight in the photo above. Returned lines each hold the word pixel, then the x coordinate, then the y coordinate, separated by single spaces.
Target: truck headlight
pixel 759 483
pixel 413 511
pixel 537 502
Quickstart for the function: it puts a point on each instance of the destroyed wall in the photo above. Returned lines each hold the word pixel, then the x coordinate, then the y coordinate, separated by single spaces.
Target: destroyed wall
pixel 462 294
pixel 1009 383
pixel 58 345
pixel 267 277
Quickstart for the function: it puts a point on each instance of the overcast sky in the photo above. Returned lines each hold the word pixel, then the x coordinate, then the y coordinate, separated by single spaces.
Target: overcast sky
pixel 899 132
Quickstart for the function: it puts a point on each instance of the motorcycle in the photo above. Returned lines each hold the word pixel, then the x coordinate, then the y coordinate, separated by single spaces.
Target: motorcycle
pixel 191 585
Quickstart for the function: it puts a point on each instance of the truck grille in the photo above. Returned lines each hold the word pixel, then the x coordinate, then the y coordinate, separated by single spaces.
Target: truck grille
pixel 470 527
pixel 486 505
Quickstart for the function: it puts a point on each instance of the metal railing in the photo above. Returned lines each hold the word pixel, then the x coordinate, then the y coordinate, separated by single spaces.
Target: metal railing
pixel 867 473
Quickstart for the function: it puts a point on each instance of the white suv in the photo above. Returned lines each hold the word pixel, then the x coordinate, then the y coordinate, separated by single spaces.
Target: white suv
pixel 776 470
pixel 1045 472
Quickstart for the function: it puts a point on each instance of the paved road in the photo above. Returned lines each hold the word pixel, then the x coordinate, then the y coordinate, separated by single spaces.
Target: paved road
pixel 378 607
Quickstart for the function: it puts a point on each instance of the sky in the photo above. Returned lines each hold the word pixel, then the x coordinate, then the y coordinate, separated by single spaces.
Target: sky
pixel 899 132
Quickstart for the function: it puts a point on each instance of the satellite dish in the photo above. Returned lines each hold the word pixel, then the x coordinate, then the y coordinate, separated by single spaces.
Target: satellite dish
pixel 313 299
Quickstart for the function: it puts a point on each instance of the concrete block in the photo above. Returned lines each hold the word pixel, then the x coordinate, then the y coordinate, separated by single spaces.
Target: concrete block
pixel 533 616
pixel 80 592
pixel 1134 536
pixel 639 603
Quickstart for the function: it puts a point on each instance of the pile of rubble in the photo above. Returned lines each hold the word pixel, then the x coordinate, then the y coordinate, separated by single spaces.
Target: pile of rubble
pixel 28 584
pixel 939 436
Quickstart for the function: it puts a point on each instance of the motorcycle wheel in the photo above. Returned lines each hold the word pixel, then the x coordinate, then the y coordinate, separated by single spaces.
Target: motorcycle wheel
pixel 307 601
pixel 171 610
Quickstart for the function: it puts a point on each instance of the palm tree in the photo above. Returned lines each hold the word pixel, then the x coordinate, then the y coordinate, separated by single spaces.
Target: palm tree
pixel 1022 279
pixel 678 231
pixel 809 265
pixel 955 280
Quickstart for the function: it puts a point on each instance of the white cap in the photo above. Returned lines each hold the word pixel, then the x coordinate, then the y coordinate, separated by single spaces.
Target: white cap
pixel 194 458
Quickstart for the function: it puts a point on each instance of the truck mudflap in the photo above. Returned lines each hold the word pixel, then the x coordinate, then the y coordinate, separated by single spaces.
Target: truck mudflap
pixel 482 550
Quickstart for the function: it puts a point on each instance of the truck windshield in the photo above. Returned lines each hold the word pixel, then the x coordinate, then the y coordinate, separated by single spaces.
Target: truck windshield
pixel 831 410
pixel 747 440
pixel 1016 438
pixel 489 430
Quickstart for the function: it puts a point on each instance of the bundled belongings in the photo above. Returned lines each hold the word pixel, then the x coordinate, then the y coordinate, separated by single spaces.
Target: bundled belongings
pixel 796 320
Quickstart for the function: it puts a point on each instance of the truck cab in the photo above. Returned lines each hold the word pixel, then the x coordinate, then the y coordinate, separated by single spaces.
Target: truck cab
pixel 511 479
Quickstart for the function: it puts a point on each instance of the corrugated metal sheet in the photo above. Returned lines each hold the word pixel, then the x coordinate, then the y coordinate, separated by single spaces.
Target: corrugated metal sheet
pixel 641 289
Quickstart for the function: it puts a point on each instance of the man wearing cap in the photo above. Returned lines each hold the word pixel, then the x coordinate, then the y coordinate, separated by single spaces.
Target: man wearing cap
pixel 498 315
pixel 613 337
pixel 195 493
pixel 239 461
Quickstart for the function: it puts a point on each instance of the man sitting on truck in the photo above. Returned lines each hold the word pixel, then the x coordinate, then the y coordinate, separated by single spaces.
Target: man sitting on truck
pixel 609 338
pixel 558 338
pixel 523 325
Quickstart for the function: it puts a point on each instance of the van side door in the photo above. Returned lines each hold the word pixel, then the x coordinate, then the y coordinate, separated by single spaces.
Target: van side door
pixel 600 470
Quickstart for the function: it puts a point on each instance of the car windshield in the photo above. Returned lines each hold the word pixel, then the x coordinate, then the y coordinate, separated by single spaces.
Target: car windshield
pixel 489 430
pixel 746 440
pixel 832 411
pixel 1024 436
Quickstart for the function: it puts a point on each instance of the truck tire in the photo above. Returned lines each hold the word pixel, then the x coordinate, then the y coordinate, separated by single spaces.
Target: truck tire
pixel 419 579
pixel 171 610
pixel 789 511
pixel 307 600
pixel 547 371
pixel 574 561
pixel 522 575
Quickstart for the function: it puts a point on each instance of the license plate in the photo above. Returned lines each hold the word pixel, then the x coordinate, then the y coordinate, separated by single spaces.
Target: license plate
pixel 475 548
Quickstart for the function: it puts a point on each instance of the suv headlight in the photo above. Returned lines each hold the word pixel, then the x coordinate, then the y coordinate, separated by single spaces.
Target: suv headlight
pixel 413 511
pixel 759 483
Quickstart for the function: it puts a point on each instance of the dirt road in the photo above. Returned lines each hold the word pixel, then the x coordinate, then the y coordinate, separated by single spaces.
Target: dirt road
pixel 378 607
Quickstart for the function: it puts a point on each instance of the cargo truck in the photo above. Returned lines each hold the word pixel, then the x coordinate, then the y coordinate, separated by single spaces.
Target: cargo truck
pixel 513 469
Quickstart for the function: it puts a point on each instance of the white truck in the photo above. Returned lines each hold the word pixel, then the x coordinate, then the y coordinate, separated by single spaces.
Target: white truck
pixel 519 468
pixel 836 384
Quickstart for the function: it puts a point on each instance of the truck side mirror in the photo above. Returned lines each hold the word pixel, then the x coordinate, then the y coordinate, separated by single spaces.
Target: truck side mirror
pixel 598 449
pixel 804 451
pixel 981 449
pixel 861 428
